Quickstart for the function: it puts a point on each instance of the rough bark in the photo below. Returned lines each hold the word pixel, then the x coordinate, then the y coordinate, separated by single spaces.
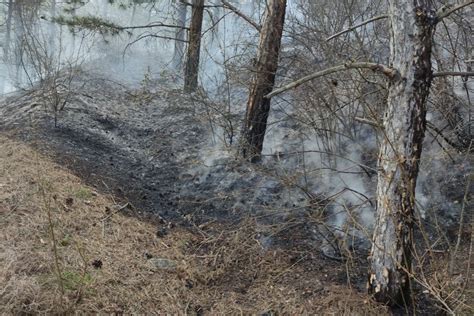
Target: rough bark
pixel 412 27
pixel 194 47
pixel 258 106
pixel 181 10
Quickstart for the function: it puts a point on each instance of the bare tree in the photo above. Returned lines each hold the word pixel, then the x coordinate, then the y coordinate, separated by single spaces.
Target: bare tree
pixel 412 24
pixel 194 47
pixel 258 105
pixel 412 27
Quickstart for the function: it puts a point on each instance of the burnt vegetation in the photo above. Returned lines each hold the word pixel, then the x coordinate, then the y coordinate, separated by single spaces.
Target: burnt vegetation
pixel 218 157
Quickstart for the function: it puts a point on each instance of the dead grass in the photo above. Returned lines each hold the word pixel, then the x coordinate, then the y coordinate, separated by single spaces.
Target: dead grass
pixel 105 251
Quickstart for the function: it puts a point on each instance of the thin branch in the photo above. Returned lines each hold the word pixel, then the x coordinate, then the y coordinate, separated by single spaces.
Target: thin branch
pixel 379 17
pixel 241 14
pixel 389 72
pixel 448 9
pixel 156 24
pixel 367 121
pixel 454 73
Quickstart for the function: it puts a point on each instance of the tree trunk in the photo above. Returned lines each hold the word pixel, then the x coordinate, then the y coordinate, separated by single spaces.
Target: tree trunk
pixel 181 10
pixel 258 106
pixel 194 47
pixel 8 22
pixel 412 27
pixel 52 29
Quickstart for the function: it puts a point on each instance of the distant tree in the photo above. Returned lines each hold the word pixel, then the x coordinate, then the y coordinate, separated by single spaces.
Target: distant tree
pixel 194 47
pixel 180 34
pixel 8 22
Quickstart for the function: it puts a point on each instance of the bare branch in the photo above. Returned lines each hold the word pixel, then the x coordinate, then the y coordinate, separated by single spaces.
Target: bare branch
pixel 448 9
pixel 368 121
pixel 241 14
pixel 454 73
pixel 151 25
pixel 379 17
pixel 389 72
pixel 441 14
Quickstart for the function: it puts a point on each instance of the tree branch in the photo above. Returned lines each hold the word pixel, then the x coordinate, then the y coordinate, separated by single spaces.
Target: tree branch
pixel 453 73
pixel 241 14
pixel 151 25
pixel 379 17
pixel 440 14
pixel 389 72
pixel 448 9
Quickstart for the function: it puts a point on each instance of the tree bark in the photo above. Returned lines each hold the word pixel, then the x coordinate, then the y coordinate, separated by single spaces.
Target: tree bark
pixel 412 26
pixel 194 47
pixel 258 106
pixel 181 10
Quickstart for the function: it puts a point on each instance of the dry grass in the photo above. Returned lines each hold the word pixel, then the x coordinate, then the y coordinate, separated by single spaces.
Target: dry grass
pixel 219 269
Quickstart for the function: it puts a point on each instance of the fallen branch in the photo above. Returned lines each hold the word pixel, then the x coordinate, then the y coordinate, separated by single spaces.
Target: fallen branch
pixel 379 17
pixel 242 15
pixel 389 72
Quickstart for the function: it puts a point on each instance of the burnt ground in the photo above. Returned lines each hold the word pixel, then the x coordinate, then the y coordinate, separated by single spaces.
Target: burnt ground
pixel 135 150
pixel 152 147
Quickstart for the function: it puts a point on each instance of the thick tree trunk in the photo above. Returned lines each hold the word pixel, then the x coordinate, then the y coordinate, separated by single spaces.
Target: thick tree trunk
pixel 258 106
pixel 181 10
pixel 412 26
pixel 194 47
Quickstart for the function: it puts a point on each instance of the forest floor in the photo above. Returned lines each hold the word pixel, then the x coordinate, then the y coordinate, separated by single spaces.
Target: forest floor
pixel 124 208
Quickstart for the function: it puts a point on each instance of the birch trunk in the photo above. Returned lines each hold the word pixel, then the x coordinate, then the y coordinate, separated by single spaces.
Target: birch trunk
pixel 194 47
pixel 412 27
pixel 258 106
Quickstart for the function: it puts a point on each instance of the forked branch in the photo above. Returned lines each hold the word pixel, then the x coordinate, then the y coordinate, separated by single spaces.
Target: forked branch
pixel 389 72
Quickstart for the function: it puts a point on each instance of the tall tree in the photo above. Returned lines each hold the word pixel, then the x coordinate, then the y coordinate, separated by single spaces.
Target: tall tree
pixel 194 47
pixel 412 25
pixel 258 106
